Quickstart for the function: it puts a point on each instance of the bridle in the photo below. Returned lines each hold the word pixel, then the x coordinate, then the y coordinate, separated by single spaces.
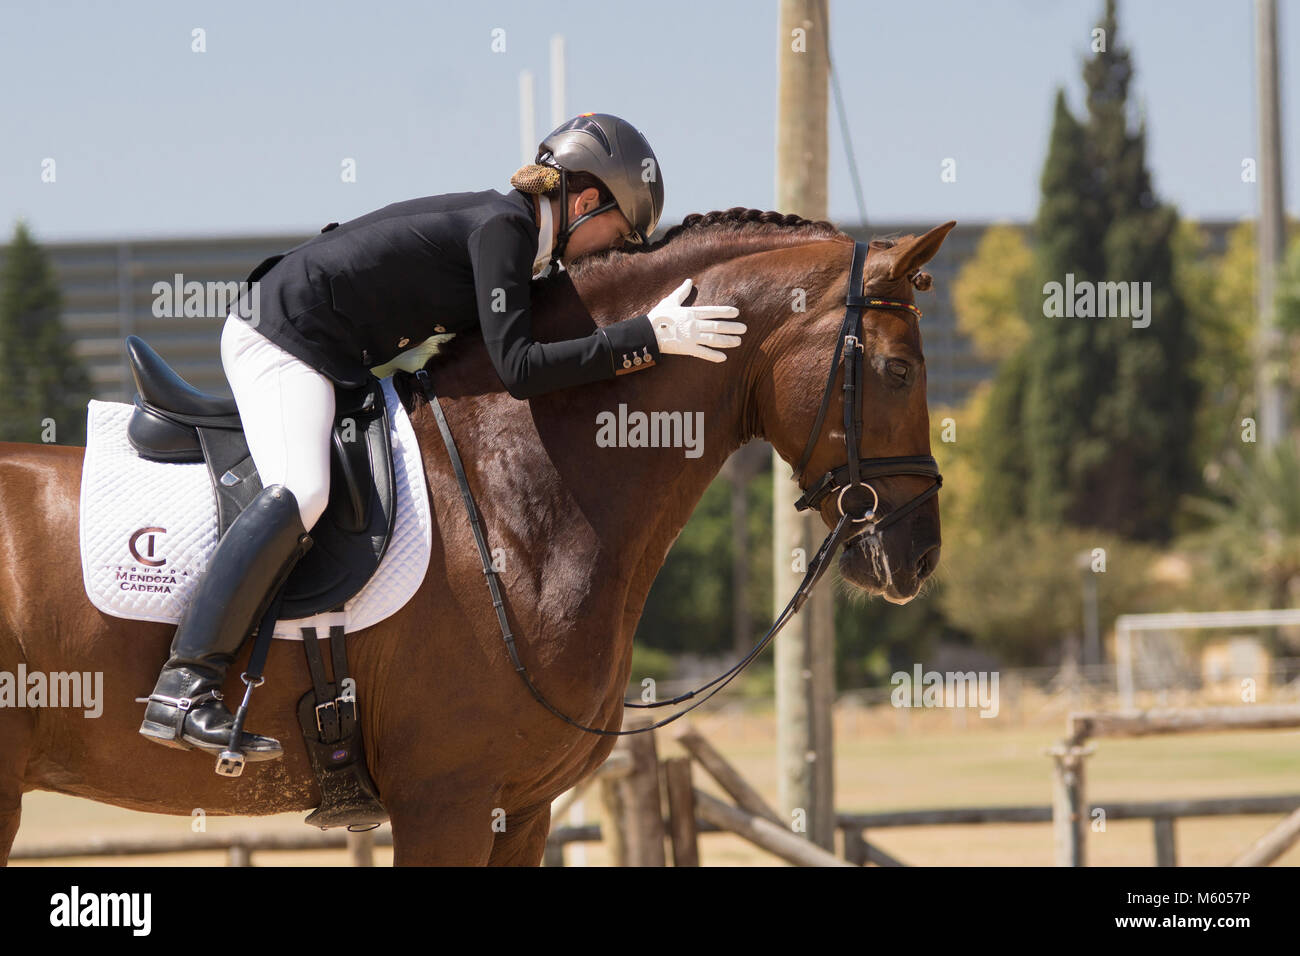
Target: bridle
pixel 856 472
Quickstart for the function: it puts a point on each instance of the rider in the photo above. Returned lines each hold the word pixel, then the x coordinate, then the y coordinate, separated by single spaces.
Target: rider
pixel 353 299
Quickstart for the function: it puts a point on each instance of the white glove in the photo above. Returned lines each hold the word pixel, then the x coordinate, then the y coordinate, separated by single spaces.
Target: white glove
pixel 687 330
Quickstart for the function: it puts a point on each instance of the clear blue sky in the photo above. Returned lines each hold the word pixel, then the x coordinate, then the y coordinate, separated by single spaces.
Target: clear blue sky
pixel 151 139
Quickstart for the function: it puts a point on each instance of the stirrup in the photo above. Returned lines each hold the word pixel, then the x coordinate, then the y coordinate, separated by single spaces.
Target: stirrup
pixel 231 761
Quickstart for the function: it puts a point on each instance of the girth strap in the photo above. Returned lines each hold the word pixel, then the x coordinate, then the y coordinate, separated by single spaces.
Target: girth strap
pixel 327 720
pixel 336 713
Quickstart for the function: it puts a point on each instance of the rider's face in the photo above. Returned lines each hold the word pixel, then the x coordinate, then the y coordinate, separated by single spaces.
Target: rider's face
pixel 599 232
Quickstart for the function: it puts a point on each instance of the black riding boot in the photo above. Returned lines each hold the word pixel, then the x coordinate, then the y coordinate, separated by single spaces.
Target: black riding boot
pixel 251 561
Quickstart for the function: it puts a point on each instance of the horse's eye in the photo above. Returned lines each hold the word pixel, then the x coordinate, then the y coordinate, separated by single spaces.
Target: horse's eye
pixel 898 369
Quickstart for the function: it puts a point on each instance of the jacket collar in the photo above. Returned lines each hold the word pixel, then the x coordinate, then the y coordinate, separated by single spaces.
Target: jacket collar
pixel 545 231
pixel 545 239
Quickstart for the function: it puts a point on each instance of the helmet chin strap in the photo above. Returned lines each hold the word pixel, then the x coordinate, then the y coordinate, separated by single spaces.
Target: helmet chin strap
pixel 566 227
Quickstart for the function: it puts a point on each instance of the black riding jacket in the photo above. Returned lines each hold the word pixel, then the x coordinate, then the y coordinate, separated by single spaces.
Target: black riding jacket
pixel 359 293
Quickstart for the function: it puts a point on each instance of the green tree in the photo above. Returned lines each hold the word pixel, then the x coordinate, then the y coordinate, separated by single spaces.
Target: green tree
pixel 987 295
pixel 1108 406
pixel 1220 295
pixel 690 605
pixel 1221 292
pixel 1288 318
pixel 1021 590
pixel 1252 538
pixel 41 379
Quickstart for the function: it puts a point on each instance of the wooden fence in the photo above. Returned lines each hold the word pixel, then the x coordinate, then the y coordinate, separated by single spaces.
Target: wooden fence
pixel 653 811
pixel 239 847
pixel 1071 811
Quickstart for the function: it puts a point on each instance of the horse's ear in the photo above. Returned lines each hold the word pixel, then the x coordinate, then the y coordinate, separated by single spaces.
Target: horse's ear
pixel 914 253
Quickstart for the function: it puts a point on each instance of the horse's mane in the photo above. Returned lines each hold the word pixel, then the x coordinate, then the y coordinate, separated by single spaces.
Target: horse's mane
pixel 698 228
pixel 741 220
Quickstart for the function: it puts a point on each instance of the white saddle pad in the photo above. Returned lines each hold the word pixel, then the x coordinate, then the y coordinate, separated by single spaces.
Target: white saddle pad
pixel 149 527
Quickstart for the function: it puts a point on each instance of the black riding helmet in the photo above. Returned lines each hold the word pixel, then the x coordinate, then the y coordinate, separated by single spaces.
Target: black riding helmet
pixel 618 155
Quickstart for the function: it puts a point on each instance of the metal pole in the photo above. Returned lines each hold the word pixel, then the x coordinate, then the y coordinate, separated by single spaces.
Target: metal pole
pixel 805 654
pixel 1124 665
pixel 742 628
pixel 558 114
pixel 1271 367
pixel 527 124
pixel 1091 628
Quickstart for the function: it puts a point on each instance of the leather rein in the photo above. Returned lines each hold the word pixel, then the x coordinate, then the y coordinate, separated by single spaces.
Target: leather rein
pixel 857 473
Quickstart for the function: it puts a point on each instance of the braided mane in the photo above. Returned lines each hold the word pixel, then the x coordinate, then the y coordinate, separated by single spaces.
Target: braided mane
pixel 740 219
pixel 737 222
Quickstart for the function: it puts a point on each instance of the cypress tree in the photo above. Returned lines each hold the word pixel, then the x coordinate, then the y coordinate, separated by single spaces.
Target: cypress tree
pixel 1058 368
pixel 1109 406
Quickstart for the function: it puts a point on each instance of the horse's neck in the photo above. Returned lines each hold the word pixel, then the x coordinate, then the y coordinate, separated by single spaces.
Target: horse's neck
pixel 653 491
pixel 627 503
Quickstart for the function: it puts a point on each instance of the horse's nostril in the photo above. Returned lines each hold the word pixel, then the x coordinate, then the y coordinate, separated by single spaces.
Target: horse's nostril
pixel 927 562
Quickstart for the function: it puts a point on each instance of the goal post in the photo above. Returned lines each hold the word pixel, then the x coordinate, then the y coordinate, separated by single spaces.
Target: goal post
pixel 1126 625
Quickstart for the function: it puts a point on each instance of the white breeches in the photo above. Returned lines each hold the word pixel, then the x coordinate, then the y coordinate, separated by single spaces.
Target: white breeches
pixel 287 408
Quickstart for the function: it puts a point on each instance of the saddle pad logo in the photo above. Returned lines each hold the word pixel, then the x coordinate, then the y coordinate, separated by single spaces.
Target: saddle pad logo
pixel 149 546
pixel 143 545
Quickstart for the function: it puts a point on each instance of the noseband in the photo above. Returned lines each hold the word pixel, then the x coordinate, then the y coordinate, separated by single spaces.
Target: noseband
pixel 858 472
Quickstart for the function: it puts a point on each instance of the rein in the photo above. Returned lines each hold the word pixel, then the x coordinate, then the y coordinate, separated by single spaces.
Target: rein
pixel 856 473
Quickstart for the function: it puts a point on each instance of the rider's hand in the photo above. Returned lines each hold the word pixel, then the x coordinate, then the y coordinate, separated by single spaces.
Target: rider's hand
pixel 688 330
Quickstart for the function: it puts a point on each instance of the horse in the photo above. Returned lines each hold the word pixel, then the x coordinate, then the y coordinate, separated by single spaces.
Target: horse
pixel 466 762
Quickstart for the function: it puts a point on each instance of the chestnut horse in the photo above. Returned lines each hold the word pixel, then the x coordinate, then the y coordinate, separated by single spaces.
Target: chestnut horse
pixel 454 739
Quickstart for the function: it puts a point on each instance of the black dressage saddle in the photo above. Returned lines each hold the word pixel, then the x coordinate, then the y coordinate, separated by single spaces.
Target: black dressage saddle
pixel 175 422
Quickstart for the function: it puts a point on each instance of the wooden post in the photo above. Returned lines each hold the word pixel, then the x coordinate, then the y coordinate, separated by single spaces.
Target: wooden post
pixel 1166 854
pixel 613 828
pixel 764 833
pixel 855 846
pixel 742 628
pixel 693 742
pixel 1179 720
pixel 1069 804
pixel 553 854
pixel 618 764
pixel 642 817
pixel 879 857
pixel 239 855
pixel 361 848
pixel 1271 360
pixel 1273 843
pixel 681 811
pixel 805 683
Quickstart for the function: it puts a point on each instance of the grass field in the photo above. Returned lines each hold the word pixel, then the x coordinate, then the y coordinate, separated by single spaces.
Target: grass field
pixel 885 760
